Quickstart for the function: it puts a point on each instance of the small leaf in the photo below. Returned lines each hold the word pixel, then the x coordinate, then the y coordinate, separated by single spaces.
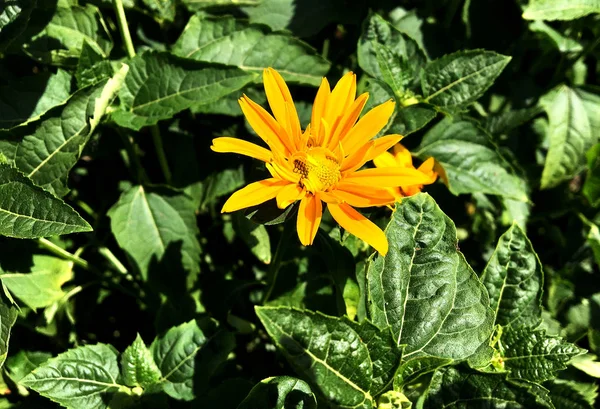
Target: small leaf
pixel 572 395
pixel 145 221
pixel 570 135
pixel 560 9
pixel 280 392
pixel 79 378
pixel 591 187
pixel 515 280
pixel 534 356
pixel 8 316
pixel 254 235
pixel 252 48
pixel 412 369
pixel 325 351
pixel 92 67
pixel 563 43
pixel 138 366
pixel 196 5
pixel 471 161
pixel 14 18
pixel 23 362
pixel 41 286
pixel 458 79
pixel 424 289
pixel 394 400
pixel 29 212
pixel 163 10
pixel 147 97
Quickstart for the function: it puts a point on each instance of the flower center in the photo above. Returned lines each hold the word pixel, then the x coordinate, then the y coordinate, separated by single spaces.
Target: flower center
pixel 319 169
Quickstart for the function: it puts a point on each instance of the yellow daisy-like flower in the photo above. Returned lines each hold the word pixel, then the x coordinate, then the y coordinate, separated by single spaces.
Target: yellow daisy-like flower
pixel 401 157
pixel 321 163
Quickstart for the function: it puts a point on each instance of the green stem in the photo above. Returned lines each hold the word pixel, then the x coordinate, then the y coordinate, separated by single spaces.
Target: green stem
pixel 124 28
pixel 53 248
pixel 160 152
pixel 113 260
pixel 140 175
pixel 273 272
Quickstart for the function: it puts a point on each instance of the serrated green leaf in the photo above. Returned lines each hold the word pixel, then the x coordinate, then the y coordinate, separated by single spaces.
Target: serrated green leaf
pixel 41 286
pixel 82 377
pixel 61 40
pixel 8 316
pixel 280 392
pixel 424 289
pixel 470 160
pixel 14 18
pixel 458 79
pixel 23 362
pixel 459 387
pixel 325 351
pixel 92 67
pixel 36 95
pixel 572 395
pixel 47 154
pixel 570 135
pixel 138 366
pixel 28 211
pixel 147 97
pixel 515 280
pixel 560 9
pixel 146 221
pixel 533 355
pixel 563 43
pixel 254 235
pixel 412 369
pixel 505 122
pixel 162 10
pixel 252 48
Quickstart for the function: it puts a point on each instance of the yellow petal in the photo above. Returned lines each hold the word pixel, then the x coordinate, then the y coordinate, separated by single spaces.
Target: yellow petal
pixel 427 166
pixel 341 97
pixel 288 195
pixel 319 106
pixel 254 194
pixel 357 159
pixel 309 218
pixel 239 146
pixel 362 195
pixel 280 101
pixel 368 126
pixel 348 120
pixel 389 177
pixel 382 144
pixel 385 160
pixel 360 226
pixel 264 125
pixel 403 156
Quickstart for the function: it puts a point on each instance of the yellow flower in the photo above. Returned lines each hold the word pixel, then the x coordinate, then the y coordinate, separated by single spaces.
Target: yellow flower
pixel 321 163
pixel 401 157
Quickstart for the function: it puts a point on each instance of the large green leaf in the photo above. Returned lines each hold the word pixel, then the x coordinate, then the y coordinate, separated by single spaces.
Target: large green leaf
pixel 252 48
pixel 8 316
pixel 569 132
pixel 53 146
pixel 280 392
pixel 533 355
pixel 81 378
pixel 325 351
pixel 515 280
pixel 40 287
pixel 36 95
pixel 254 235
pixel 470 159
pixel 61 40
pixel 160 85
pixel 560 9
pixel 23 362
pixel 28 211
pixel 138 366
pixel 146 221
pixel 460 78
pixel 459 387
pixel 424 289
pixel 572 395
pixel 591 187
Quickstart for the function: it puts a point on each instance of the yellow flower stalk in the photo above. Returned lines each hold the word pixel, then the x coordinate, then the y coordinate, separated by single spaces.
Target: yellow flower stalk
pixel 323 162
pixel 401 157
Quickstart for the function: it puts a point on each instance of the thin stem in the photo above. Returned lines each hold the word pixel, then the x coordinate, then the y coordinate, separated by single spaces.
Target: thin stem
pixel 112 259
pixel 140 174
pixel 124 28
pixel 274 268
pixel 160 152
pixel 53 248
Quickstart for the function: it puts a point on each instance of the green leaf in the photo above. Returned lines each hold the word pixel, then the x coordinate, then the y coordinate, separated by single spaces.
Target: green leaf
pixel 572 395
pixel 23 362
pixel 459 387
pixel 570 134
pixel 424 289
pixel 187 355
pixel 146 98
pixel 394 400
pixel 196 5
pixel 280 392
pixel 411 370
pixel 79 378
pixel 470 160
pixel 515 280
pixel 47 154
pixel 146 221
pixel 534 356
pixel 162 10
pixel 61 40
pixel 14 18
pixel 36 95
pixel 505 122
pixel 29 212
pixel 587 363
pixel 138 366
pixel 254 235
pixel 92 67
pixel 563 43
pixel 41 286
pixel 399 50
pixel 252 48
pixel 560 9
pixel 8 316
pixel 325 351
pixel 458 79
pixel 220 184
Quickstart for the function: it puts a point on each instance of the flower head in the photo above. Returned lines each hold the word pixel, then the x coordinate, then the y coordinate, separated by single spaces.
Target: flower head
pixel 400 156
pixel 321 163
